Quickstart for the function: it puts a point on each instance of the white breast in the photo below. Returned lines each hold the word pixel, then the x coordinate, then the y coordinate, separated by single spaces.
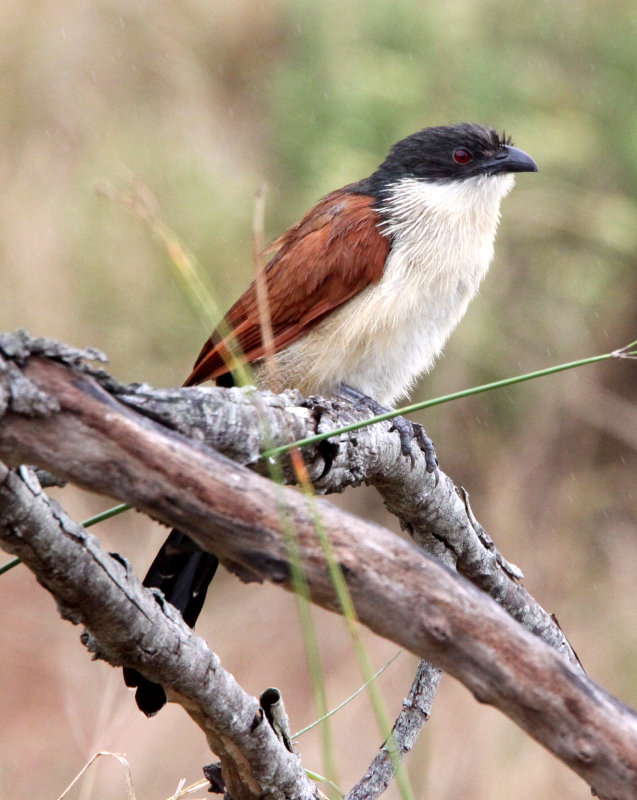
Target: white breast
pixel 384 338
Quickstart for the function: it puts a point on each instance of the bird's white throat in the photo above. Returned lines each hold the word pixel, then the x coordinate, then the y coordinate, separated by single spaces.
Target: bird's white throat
pixel 463 214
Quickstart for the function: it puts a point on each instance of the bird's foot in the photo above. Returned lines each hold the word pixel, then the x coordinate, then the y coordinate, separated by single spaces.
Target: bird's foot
pixel 407 431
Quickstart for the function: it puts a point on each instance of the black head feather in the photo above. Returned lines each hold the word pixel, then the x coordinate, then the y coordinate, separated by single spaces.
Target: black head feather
pixel 445 153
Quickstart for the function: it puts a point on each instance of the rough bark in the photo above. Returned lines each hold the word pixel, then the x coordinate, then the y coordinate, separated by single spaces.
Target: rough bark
pixel 63 419
pixel 128 625
pixel 413 715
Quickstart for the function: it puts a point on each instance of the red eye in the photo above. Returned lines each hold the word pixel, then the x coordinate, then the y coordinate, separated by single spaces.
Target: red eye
pixel 462 156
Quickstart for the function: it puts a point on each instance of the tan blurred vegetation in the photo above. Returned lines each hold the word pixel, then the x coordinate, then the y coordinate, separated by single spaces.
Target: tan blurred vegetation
pixel 202 101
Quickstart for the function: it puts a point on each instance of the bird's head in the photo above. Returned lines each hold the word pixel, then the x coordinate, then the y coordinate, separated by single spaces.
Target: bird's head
pixel 453 153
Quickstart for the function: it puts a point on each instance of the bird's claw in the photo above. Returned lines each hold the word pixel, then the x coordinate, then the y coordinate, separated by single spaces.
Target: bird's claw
pixel 407 431
pixel 413 431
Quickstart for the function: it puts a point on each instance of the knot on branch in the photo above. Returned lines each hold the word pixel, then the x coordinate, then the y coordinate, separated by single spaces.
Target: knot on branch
pixel 20 345
pixel 17 393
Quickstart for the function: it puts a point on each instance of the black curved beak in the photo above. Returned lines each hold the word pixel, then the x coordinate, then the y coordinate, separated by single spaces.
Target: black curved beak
pixel 509 159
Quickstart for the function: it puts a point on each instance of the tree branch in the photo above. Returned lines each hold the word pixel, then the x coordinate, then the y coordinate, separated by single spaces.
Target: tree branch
pixel 63 420
pixel 413 715
pixel 125 622
pixel 242 425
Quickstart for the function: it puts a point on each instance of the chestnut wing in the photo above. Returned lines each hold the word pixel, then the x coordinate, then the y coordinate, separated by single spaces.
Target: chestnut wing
pixel 333 253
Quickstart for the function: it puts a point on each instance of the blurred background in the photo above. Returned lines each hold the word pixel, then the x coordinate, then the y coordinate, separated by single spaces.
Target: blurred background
pixel 201 102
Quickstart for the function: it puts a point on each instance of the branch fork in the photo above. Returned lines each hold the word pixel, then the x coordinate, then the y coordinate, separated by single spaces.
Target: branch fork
pixel 77 422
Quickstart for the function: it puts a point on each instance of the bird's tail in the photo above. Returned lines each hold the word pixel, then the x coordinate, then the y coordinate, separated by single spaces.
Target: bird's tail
pixel 182 571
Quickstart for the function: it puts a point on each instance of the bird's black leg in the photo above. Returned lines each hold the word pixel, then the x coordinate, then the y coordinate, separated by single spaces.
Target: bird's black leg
pixel 407 431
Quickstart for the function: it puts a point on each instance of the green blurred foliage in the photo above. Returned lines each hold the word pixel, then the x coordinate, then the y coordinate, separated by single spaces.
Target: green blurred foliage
pixel 201 102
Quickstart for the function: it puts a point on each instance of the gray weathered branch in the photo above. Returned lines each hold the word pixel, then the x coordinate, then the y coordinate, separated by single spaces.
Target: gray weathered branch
pixel 241 424
pixel 66 421
pixel 124 620
pixel 413 715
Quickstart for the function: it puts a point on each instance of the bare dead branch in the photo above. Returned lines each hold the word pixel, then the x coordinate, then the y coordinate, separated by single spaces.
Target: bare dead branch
pixel 414 713
pixel 66 422
pixel 242 424
pixel 124 621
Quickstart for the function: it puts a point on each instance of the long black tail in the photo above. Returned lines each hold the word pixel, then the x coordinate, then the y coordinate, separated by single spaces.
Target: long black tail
pixel 182 571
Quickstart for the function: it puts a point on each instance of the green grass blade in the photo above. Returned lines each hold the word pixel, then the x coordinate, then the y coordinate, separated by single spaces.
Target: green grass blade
pixel 110 512
pixel 350 698
pixel 625 352
pixel 10 565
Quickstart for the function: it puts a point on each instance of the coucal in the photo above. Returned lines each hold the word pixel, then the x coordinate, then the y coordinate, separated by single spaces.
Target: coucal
pixel 363 294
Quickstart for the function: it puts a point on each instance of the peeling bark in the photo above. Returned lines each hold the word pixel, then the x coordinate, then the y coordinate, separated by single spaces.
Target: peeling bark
pixel 74 422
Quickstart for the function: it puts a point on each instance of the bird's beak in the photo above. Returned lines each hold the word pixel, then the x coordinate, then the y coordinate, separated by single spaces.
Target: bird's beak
pixel 509 159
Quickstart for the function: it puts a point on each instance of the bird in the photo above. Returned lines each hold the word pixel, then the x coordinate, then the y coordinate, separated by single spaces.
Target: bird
pixel 363 293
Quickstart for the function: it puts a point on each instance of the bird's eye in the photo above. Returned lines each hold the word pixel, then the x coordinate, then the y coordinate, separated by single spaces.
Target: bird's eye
pixel 462 156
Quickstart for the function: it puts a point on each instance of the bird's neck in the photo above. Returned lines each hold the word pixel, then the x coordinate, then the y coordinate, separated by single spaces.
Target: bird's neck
pixel 412 206
pixel 445 231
